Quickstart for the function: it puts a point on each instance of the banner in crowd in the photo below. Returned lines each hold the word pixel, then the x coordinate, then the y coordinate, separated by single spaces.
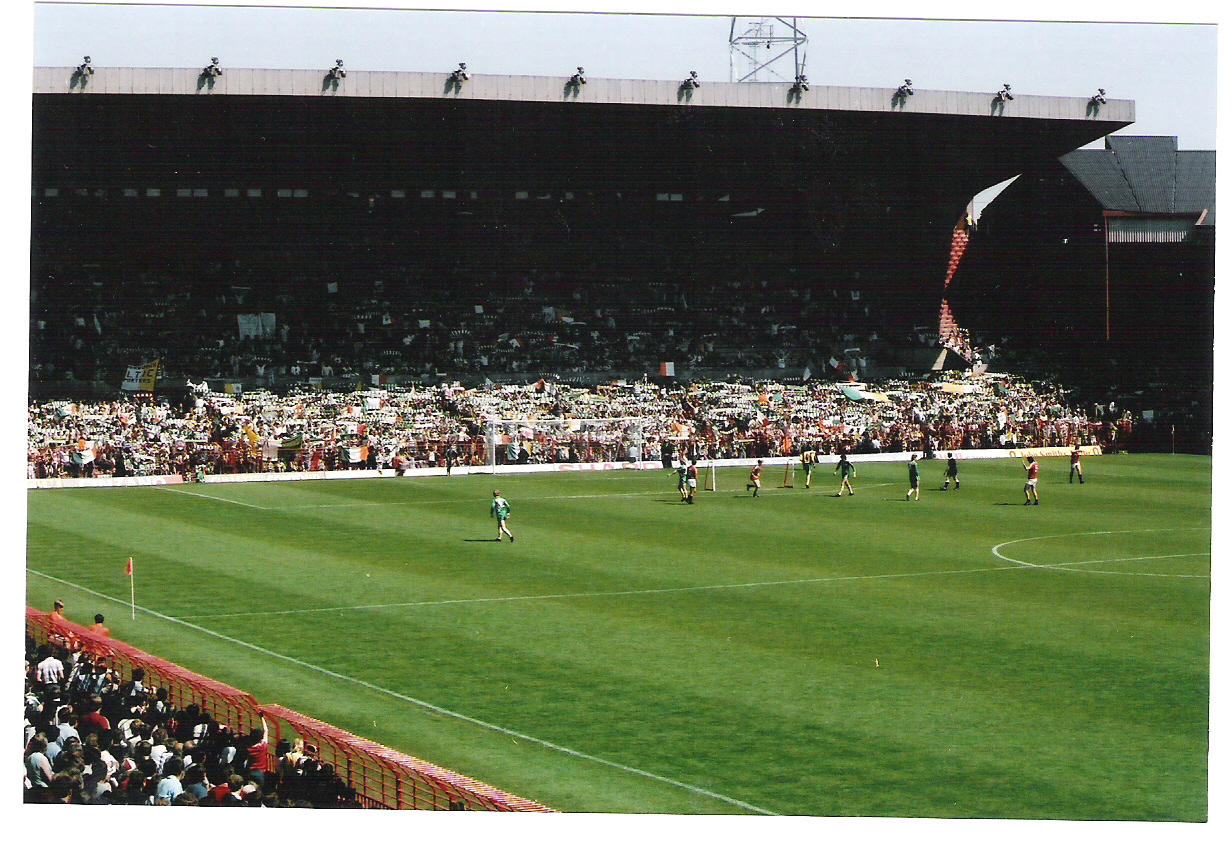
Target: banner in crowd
pixel 1083 450
pixel 667 369
pixel 140 378
pixel 256 325
pixel 132 377
pixel 855 393
pixel 84 454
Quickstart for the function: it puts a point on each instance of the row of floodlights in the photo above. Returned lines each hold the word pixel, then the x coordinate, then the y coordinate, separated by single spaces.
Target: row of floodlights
pixel 461 75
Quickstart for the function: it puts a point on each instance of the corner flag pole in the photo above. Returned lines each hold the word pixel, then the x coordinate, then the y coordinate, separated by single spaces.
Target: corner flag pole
pixel 132 588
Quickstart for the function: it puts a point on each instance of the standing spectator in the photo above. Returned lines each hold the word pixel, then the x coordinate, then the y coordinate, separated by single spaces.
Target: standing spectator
pixel 169 786
pixel 51 668
pixel 52 735
pixel 67 722
pixel 195 783
pixel 94 720
pixel 38 767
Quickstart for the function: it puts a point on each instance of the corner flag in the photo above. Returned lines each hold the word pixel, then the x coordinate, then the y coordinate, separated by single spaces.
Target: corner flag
pixel 132 588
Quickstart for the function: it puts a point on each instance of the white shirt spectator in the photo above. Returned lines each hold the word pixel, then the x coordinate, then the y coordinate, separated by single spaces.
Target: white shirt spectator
pixel 51 670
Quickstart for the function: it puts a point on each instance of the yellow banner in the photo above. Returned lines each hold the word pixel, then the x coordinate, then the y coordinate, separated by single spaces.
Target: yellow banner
pixel 149 376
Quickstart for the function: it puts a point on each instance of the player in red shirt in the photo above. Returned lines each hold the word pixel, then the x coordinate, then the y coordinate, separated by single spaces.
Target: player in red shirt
pixel 1031 465
pixel 1075 465
pixel 754 479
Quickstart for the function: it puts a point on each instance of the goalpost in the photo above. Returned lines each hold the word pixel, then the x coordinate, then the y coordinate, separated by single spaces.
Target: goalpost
pixel 565 440
pixel 789 475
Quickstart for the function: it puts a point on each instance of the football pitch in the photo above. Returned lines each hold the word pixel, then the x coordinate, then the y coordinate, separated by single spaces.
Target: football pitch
pixel 960 656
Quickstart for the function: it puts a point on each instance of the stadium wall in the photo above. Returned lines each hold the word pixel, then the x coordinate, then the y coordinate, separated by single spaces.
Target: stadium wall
pixel 642 465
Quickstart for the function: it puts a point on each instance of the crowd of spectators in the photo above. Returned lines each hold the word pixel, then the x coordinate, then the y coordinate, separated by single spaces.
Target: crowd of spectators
pixel 85 327
pixel 94 737
pixel 446 425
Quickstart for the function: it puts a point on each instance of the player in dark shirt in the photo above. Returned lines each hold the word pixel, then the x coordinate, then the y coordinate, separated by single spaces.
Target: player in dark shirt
pixel 847 470
pixel 913 476
pixel 951 473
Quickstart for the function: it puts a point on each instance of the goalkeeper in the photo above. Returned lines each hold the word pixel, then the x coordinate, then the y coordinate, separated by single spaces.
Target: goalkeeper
pixel 500 510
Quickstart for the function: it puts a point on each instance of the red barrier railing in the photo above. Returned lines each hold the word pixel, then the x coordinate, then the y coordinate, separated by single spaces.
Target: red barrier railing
pixel 228 705
pixel 387 779
pixel 381 777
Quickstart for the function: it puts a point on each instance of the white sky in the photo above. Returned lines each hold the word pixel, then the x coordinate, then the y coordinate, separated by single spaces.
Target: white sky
pixel 1168 69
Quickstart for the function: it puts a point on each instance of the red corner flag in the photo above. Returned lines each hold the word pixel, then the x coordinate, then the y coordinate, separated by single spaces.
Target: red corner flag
pixel 132 588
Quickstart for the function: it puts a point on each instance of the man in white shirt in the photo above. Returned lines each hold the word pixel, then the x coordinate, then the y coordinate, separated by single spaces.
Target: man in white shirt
pixel 67 725
pixel 51 669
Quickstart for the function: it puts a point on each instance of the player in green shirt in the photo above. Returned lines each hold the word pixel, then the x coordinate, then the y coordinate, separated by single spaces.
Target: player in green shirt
pixel 500 509
pixel 848 471
pixel 913 477
pixel 681 485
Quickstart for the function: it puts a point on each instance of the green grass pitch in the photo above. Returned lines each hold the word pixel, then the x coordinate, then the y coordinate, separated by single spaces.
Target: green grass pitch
pixel 794 654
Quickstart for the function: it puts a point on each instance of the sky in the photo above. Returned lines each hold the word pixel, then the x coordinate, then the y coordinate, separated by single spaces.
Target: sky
pixel 1168 69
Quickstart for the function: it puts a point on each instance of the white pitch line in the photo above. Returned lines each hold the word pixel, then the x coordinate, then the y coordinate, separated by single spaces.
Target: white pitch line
pixel 174 491
pixel 1118 559
pixel 356 504
pixel 620 593
pixel 1062 566
pixel 424 704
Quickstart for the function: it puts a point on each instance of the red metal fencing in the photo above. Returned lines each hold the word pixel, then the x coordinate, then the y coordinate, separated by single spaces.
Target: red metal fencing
pixel 381 777
pixel 387 779
pixel 232 707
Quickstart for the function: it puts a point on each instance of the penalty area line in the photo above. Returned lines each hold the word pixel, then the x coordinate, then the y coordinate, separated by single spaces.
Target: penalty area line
pixel 552 746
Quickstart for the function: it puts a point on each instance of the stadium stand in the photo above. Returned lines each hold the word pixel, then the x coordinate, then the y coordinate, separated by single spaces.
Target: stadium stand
pixel 107 723
pixel 228 324
pixel 314 430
